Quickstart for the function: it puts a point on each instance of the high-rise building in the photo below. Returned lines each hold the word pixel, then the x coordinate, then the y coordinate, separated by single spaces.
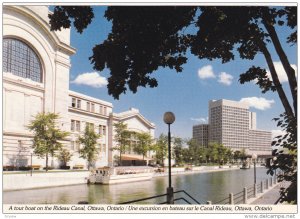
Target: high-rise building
pixel 229 123
pixel 233 125
pixel 200 134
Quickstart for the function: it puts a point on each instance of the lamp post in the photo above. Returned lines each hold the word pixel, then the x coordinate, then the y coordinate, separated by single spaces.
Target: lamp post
pixel 254 156
pixel 169 118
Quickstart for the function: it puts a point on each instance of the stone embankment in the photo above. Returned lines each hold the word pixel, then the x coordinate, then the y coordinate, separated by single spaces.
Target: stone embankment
pixel 19 181
pixel 197 169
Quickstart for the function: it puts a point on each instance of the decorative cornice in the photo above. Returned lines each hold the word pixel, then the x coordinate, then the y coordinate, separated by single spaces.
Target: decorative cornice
pixel 61 46
pixel 19 82
pixel 76 110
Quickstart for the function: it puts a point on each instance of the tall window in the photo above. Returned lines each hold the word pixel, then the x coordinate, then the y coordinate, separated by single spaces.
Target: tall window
pixel 78 103
pixel 88 106
pixel 72 125
pixel 73 102
pixel 92 107
pixel 19 59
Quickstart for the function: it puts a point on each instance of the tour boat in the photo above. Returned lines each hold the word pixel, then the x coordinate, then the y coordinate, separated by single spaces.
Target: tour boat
pixel 120 174
pixel 245 166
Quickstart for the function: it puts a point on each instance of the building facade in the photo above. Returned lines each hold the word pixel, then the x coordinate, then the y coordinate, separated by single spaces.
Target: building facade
pixel 233 125
pixel 200 134
pixel 36 65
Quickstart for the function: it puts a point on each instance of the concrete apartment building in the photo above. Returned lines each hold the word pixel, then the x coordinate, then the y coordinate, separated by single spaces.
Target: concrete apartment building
pixel 233 125
pixel 36 67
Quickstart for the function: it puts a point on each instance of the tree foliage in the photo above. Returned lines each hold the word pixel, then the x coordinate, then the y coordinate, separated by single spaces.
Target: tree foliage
pixel 47 136
pixel 178 150
pixel 144 143
pixel 64 156
pixel 122 138
pixel 161 148
pixel 89 142
pixel 63 16
pixel 286 158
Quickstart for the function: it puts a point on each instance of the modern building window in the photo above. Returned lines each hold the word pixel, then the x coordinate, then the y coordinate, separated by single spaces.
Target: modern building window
pixel 20 60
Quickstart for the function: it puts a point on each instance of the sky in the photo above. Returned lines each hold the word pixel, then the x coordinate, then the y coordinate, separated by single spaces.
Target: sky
pixel 186 94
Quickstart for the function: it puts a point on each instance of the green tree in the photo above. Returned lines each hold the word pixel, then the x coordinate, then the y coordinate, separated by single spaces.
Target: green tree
pixel 89 142
pixel 161 148
pixel 47 136
pixel 286 158
pixel 122 138
pixel 177 150
pixel 64 156
pixel 213 152
pixel 194 150
pixel 237 155
pixel 144 143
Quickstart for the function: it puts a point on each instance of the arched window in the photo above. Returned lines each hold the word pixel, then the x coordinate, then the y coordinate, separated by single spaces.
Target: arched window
pixel 19 59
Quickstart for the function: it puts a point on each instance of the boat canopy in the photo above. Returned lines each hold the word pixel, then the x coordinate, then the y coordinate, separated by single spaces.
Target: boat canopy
pixel 134 157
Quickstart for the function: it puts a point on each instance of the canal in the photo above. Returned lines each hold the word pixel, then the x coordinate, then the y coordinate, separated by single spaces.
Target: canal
pixel 210 186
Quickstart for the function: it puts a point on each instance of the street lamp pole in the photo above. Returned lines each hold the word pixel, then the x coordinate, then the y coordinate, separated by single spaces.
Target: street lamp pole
pixel 254 156
pixel 169 155
pixel 169 118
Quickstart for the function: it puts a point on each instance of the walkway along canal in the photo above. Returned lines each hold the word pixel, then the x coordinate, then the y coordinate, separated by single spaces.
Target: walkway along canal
pixel 212 186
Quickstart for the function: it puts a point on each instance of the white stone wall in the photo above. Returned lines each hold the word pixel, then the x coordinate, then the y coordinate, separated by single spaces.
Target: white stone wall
pixel 135 122
pixel 23 98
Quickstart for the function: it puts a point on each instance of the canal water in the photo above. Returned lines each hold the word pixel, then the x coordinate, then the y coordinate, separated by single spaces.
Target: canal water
pixel 211 186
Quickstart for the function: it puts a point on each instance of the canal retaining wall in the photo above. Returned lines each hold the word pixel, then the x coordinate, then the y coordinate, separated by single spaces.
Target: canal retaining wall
pixel 21 181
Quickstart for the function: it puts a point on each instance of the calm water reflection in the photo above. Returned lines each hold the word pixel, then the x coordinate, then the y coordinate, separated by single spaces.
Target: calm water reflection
pixel 212 186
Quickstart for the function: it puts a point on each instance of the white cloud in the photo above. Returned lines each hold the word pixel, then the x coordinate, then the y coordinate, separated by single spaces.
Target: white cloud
pixel 257 102
pixel 92 79
pixel 277 132
pixel 280 71
pixel 206 72
pixel 201 119
pixel 225 78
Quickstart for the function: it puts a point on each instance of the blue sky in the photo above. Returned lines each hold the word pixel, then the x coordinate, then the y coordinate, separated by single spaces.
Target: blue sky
pixel 186 94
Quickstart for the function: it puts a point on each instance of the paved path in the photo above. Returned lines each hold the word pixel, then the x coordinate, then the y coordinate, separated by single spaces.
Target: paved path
pixel 270 197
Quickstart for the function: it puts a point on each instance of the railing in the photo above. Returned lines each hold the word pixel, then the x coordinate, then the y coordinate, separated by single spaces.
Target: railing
pixel 250 192
pixel 162 195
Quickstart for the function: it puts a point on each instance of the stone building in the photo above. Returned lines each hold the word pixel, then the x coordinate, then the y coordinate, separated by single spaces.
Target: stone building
pixel 36 65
